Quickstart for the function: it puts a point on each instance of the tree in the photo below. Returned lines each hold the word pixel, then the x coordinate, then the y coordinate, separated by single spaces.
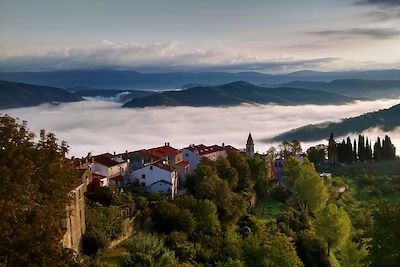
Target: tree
pixel 333 225
pixel 148 250
pixel 332 150
pixel 385 236
pixel 103 224
pixel 317 154
pixel 36 179
pixel 239 162
pixel 276 250
pixel 310 189
pixel 227 172
pixel 288 149
pixel 292 170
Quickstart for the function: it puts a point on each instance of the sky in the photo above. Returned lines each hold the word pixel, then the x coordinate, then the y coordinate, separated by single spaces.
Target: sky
pixel 100 126
pixel 275 36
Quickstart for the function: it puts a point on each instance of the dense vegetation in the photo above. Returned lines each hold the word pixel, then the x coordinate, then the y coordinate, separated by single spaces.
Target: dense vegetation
pixel 385 119
pixel 348 219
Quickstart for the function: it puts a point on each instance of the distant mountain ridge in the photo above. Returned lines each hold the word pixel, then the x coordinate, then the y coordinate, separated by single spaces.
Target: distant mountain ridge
pixel 129 79
pixel 15 95
pixel 385 119
pixel 371 89
pixel 237 93
pixel 122 96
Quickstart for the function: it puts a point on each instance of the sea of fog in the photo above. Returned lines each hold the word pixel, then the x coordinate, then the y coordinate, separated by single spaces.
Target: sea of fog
pixel 102 126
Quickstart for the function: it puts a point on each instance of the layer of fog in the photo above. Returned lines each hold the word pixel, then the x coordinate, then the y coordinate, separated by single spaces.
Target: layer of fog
pixel 101 126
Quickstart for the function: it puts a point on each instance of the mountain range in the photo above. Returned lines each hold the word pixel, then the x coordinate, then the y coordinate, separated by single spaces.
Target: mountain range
pixel 371 89
pixel 122 96
pixel 129 79
pixel 15 95
pixel 385 119
pixel 237 93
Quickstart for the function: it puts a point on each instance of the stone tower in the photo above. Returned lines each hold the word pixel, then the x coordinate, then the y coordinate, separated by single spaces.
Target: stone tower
pixel 250 146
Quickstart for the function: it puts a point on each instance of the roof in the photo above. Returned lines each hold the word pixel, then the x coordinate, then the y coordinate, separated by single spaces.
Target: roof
pixel 182 163
pixel 163 166
pixel 106 160
pixel 204 150
pixel 98 176
pixel 166 150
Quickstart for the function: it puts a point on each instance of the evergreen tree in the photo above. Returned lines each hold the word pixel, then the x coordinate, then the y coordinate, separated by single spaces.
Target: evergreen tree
pixel 361 148
pixel 388 149
pixel 378 150
pixel 349 151
pixel 332 150
pixel 355 150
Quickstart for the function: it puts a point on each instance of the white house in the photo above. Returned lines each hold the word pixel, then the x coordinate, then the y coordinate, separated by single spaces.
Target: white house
pixel 157 177
pixel 194 153
pixel 109 169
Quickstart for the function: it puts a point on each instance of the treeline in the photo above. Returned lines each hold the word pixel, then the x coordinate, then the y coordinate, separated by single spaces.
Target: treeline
pixel 360 150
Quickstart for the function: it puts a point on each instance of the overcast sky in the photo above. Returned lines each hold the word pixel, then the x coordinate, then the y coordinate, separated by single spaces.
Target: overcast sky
pixel 276 35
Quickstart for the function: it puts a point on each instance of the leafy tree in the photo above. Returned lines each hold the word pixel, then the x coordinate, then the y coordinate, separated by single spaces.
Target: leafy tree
pixel 289 149
pixel 36 179
pixel 103 224
pixel 227 172
pixel 168 217
pixel 148 250
pixel 260 174
pixel 310 189
pixel 333 225
pixel 385 236
pixel 317 154
pixel 292 170
pixel 239 162
pixel 351 255
pixel 276 250
pixel 311 249
pixel 206 216
pixel 184 250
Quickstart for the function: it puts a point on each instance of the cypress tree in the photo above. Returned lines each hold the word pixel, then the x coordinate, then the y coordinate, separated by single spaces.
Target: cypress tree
pixel 354 150
pixel 332 150
pixel 361 148
pixel 377 149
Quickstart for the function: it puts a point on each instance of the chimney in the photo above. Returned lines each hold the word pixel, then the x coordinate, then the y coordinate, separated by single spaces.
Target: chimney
pixel 165 144
pixel 223 144
pixel 114 153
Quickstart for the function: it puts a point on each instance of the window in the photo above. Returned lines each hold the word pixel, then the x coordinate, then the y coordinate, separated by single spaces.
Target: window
pixel 187 155
pixel 143 184
pixel 143 176
pixel 151 167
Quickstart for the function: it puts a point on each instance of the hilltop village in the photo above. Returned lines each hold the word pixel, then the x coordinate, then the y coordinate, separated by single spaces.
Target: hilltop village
pixel 201 205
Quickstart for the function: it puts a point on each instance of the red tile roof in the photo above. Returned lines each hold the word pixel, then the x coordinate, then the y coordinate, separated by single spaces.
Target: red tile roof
pixel 106 160
pixel 166 150
pixel 204 150
pixel 183 163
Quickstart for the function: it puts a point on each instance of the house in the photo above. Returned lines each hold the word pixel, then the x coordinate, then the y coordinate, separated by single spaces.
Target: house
pixel 108 170
pixel 171 156
pixel 194 153
pixel 74 223
pixel 157 177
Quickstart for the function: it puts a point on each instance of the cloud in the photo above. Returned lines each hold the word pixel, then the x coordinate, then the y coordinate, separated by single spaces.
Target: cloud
pixel 370 33
pixel 153 57
pixel 387 3
pixel 100 126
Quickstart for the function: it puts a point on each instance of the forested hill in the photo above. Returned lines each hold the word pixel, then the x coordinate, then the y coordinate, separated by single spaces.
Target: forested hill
pixel 236 93
pixel 122 96
pixel 14 95
pixel 351 87
pixel 386 119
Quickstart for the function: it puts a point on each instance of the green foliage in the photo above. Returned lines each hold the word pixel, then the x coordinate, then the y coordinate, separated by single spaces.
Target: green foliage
pixel 385 236
pixel 310 189
pixel 184 250
pixel 227 172
pixel 168 217
pixel 103 224
pixel 333 225
pixel 317 154
pixel 351 255
pixel 311 249
pixel 36 179
pixel 148 250
pixel 292 170
pixel 239 162
pixel 260 174
pixel 276 250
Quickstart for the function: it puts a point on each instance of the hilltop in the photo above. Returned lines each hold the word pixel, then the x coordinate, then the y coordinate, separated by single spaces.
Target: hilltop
pixel 236 93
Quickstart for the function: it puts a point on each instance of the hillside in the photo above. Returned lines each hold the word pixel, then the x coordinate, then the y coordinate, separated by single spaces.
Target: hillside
pixel 386 119
pixel 129 79
pixel 351 87
pixel 236 93
pixel 122 96
pixel 14 95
